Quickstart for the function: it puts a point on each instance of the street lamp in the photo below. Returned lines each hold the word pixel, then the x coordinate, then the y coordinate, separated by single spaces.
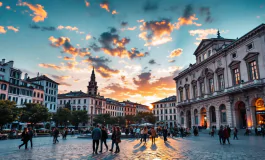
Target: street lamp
pixel 50 123
pixel 67 123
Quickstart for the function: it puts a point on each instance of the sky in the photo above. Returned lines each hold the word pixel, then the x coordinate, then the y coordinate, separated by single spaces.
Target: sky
pixel 136 47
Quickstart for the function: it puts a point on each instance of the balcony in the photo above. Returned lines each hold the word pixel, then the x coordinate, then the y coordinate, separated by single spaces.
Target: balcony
pixel 227 91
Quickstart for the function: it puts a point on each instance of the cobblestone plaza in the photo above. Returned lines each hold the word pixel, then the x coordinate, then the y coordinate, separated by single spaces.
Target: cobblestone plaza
pixel 202 147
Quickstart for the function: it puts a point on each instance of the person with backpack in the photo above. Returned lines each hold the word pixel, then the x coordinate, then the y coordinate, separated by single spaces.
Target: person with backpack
pixel 104 138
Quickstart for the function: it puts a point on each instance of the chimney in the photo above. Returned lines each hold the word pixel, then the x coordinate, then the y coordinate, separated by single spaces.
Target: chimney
pixel 26 76
pixel 3 61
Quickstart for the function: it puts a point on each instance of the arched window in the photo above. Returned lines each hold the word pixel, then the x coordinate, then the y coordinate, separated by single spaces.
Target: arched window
pixel 223 113
pixel 3 87
pixel 213 114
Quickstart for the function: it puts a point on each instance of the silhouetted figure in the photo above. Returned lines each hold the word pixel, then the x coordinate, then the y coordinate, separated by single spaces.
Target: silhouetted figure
pixel 24 138
pixel 104 138
pixel 96 136
pixel 118 139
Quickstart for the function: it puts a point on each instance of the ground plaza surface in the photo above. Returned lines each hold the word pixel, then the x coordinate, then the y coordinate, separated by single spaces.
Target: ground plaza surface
pixel 203 147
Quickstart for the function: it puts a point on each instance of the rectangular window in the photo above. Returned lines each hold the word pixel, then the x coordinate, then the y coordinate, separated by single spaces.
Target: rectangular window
pixel 175 117
pixel 79 101
pixel 161 111
pixel 223 116
pixel 221 82
pixel 236 76
pixel 211 85
pixel 195 91
pixel 250 46
pixel 253 70
pixel 202 86
pixel 182 120
pixel 84 101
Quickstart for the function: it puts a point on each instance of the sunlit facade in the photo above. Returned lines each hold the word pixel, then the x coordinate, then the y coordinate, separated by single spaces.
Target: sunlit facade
pixel 226 84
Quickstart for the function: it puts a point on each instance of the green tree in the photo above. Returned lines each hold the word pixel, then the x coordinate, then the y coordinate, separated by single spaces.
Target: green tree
pixel 8 112
pixel 79 117
pixel 102 119
pixel 62 116
pixel 146 116
pixel 34 113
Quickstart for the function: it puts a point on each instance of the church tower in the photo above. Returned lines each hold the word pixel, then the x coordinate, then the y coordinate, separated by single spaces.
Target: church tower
pixel 92 87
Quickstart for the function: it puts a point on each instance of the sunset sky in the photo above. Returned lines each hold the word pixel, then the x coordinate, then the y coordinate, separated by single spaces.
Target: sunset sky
pixel 136 46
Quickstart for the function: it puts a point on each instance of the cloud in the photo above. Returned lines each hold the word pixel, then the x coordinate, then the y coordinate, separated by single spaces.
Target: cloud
pixel 124 24
pixel 101 66
pixel 105 5
pixel 60 78
pixel 64 42
pixel 150 6
pixel 204 33
pixel 175 53
pixel 114 12
pixel 171 61
pixel 38 10
pixel 12 28
pixel 70 28
pixel 1 4
pixel 188 11
pixel 8 7
pixel 88 37
pixel 152 61
pixel 159 32
pixel 206 11
pixel 2 30
pixel 87 3
pixel 113 45
pixel 69 58
pixel 132 28
pixel 76 80
pixel 42 28
pixel 53 66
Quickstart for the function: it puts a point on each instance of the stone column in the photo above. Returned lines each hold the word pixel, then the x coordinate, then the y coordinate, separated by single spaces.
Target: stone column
pixel 218 118
pixel 198 89
pixel 253 116
pixel 185 120
pixel 192 118
pixel 229 114
pixel 206 86
pixel 199 118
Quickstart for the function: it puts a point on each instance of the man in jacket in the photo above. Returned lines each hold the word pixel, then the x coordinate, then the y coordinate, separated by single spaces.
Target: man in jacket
pixel 31 134
pixel 55 135
pixel 104 137
pixel 113 138
pixel 96 136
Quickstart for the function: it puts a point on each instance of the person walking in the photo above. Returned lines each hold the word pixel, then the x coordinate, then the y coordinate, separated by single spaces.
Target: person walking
pixel 138 132
pixel 142 134
pixel 104 138
pixel 229 131
pixel 226 136
pixel 113 138
pixel 118 139
pixel 235 133
pixel 165 134
pixel 55 135
pixel 145 132
pixel 221 135
pixel 153 135
pixel 212 132
pixel 134 131
pixel 24 138
pixel 96 136
pixel 31 134
pixel 182 132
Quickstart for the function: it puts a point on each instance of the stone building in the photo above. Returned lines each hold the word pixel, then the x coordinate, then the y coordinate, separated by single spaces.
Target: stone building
pixel 226 84
pixel 165 111
pixel 114 108
pixel 142 108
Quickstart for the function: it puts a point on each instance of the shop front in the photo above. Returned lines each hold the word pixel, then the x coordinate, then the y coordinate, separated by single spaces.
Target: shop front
pixel 260 112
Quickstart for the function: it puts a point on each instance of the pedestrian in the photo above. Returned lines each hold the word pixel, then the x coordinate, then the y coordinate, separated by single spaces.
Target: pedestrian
pixel 104 138
pixel 55 135
pixel 226 135
pixel 134 131
pixel 165 134
pixel 127 131
pixel 31 134
pixel 263 131
pixel 235 133
pixel 118 139
pixel 73 132
pixel 212 132
pixel 181 132
pixel 138 132
pixel 153 135
pixel 145 132
pixel 24 138
pixel 229 131
pixel 96 136
pixel 66 133
pixel 142 135
pixel 113 138
pixel 221 135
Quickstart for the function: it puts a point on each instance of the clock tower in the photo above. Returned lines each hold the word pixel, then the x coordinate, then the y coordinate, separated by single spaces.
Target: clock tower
pixel 92 87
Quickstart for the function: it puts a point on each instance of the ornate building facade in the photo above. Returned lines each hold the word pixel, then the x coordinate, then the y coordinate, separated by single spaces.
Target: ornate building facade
pixel 226 85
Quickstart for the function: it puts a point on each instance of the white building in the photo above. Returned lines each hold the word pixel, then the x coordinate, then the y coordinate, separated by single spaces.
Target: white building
pixel 165 111
pixel 226 84
pixel 114 108
pixel 50 91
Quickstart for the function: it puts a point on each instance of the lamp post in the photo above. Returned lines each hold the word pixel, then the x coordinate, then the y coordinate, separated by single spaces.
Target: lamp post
pixel 50 123
pixel 67 123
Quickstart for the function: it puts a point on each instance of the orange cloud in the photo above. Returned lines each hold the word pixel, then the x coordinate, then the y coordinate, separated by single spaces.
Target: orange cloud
pixel 88 37
pixel 12 28
pixel 132 28
pixel 8 7
pixel 87 3
pixel 140 21
pixel 76 80
pixel 53 66
pixel 2 30
pixel 159 32
pixel 67 47
pixel 105 5
pixel 1 4
pixel 175 53
pixel 114 12
pixel 38 10
pixel 69 58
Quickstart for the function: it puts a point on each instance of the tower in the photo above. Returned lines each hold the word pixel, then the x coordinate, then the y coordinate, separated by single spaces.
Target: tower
pixel 92 87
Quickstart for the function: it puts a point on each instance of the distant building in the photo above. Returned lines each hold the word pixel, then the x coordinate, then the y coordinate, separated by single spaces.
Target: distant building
pixel 114 108
pixel 142 108
pixel 50 88
pixel 129 108
pixel 165 111
pixel 226 84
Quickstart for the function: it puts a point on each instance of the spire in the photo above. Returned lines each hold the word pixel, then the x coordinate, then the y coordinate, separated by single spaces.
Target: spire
pixel 93 77
pixel 93 73
pixel 218 34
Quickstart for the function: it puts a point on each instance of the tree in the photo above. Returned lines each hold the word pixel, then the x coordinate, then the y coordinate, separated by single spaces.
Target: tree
pixel 146 116
pixel 34 113
pixel 79 117
pixel 62 116
pixel 8 112
pixel 102 119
